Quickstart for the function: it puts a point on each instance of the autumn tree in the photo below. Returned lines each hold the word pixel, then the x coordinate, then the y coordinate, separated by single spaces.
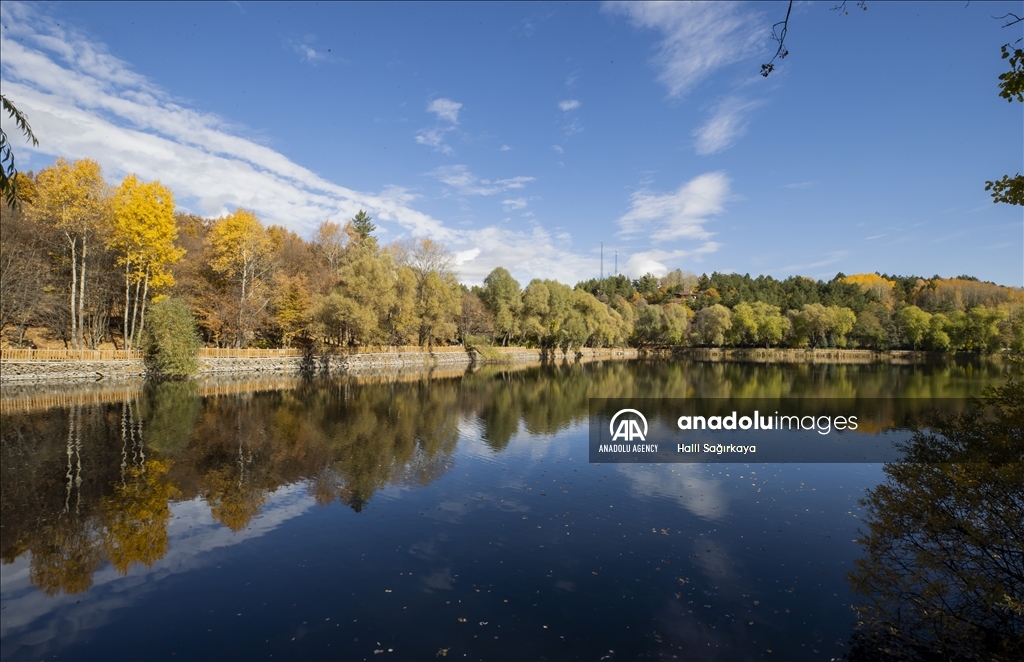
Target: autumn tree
pixel 503 299
pixel 437 291
pixel 711 324
pixel 358 308
pixel 438 305
pixel 329 241
pixel 143 234
pixel 26 276
pixel 73 197
pixel 241 251
pixel 474 319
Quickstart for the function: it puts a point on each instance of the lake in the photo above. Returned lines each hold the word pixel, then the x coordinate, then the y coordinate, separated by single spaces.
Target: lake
pixel 444 515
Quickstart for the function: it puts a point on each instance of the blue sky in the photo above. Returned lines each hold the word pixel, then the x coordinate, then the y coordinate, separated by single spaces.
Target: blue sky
pixel 523 135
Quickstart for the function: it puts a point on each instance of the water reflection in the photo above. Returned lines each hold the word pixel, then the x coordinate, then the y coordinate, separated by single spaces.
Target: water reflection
pixel 943 575
pixel 95 486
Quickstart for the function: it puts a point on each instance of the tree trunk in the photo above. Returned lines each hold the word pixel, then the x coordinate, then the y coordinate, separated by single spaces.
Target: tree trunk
pixel 81 297
pixel 135 313
pixel 142 316
pixel 127 300
pixel 74 291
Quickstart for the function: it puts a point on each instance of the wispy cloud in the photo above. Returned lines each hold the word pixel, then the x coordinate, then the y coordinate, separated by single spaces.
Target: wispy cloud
pixel 445 109
pixel 460 178
pixel 678 215
pixel 569 105
pixel 829 258
pixel 306 50
pixel 800 184
pixel 513 203
pixel 434 138
pixel 85 103
pixel 504 148
pixel 728 122
pixel 697 38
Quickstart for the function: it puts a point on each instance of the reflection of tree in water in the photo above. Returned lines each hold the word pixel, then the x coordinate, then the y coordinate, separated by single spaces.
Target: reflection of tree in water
pixel 87 484
pixel 943 576
pixel 385 434
pixel 65 554
pixel 135 517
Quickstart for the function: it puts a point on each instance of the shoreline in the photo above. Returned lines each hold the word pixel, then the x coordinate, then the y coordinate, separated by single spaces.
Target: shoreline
pixel 28 372
pixel 49 372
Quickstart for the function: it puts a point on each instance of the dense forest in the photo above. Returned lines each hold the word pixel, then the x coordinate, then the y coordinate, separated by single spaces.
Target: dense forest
pixel 82 260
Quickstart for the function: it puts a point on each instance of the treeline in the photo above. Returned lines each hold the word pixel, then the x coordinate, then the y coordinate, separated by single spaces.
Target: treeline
pixel 84 259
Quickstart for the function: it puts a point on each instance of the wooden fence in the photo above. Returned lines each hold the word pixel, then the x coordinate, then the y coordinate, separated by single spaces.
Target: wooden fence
pixel 69 355
pixel 204 353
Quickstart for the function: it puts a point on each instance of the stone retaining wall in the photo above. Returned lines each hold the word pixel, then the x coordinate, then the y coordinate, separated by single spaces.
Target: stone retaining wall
pixel 14 372
pixel 69 371
pixel 761 355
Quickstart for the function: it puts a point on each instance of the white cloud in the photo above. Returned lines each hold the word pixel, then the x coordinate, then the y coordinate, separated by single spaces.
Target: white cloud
pixel 434 138
pixel 513 204
pixel 697 38
pixel 305 49
pixel 569 104
pixel 727 123
pixel 527 254
pixel 465 182
pixel 678 215
pixel 659 262
pixel 558 149
pixel 85 103
pixel 445 109
pixel 504 148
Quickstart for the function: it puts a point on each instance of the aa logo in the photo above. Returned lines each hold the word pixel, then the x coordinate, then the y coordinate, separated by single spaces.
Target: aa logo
pixel 629 427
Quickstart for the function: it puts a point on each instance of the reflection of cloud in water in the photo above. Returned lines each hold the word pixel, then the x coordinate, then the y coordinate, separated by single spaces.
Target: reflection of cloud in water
pixel 568 442
pixel 191 532
pixel 441 580
pixel 685 483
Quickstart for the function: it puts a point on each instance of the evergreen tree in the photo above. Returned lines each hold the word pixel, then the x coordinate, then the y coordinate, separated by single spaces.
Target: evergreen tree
pixel 362 222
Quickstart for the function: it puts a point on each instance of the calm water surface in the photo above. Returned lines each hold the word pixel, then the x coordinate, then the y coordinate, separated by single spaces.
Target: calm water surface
pixel 423 517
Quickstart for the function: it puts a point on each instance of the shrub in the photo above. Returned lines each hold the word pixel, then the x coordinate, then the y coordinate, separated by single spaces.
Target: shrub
pixel 172 343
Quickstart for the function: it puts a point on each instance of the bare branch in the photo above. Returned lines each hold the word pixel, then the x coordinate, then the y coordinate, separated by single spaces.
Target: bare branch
pixel 779 35
pixel 1011 19
pixel 841 7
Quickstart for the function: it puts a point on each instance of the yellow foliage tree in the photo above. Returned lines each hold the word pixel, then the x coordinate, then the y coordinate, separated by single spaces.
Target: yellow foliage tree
pixel 143 233
pixel 74 198
pixel 241 250
pixel 875 283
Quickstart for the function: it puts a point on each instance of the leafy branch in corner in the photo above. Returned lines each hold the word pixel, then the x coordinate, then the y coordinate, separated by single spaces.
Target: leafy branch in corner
pixel 8 173
pixel 1010 190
